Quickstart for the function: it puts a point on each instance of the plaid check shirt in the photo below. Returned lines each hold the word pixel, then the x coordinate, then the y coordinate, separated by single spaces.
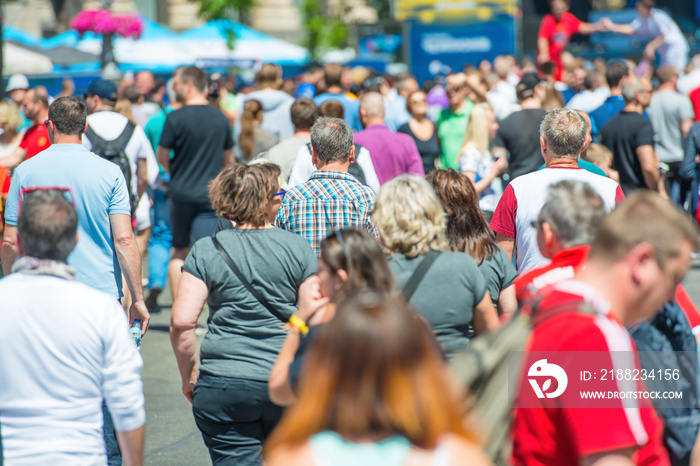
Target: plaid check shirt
pixel 329 201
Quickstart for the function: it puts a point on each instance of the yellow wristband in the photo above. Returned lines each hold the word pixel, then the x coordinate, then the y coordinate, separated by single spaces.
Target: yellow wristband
pixel 296 322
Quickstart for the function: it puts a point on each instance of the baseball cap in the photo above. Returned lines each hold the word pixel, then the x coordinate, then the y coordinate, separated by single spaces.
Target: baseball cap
pixel 526 87
pixel 103 89
pixel 17 81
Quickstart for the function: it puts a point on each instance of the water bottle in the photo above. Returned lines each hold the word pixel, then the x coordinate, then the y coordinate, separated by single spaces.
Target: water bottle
pixel 136 333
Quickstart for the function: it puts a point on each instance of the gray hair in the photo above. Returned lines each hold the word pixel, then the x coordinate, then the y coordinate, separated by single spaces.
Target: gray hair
pixel 331 138
pixel 631 88
pixel 47 225
pixel 564 131
pixel 574 210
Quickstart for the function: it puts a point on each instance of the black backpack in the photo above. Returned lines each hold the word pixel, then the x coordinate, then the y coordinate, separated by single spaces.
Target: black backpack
pixel 115 152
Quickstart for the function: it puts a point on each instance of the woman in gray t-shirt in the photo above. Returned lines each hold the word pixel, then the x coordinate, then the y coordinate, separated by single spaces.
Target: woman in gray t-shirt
pixel 229 389
pixel 452 294
pixel 467 231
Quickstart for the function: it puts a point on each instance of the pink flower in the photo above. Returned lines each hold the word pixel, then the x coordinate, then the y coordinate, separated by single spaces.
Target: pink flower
pixel 104 22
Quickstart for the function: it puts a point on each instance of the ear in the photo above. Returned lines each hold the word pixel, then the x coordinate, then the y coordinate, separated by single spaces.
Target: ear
pixel 343 275
pixel 543 145
pixel 550 240
pixel 587 142
pixel 314 158
pixel 351 159
pixel 642 263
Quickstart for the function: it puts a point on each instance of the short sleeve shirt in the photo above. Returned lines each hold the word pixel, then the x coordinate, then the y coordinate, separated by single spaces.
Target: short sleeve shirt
pixel 667 110
pixel 623 135
pixel 244 337
pixel 98 190
pixel 198 135
pixel 446 296
pixel 499 273
pixel 552 434
pixel 35 140
pixel 451 127
pixel 558 34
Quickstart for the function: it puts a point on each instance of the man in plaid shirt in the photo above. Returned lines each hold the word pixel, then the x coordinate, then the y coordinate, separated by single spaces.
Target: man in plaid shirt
pixel 332 198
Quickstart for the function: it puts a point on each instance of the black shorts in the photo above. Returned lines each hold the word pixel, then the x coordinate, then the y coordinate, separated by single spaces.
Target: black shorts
pixel 190 221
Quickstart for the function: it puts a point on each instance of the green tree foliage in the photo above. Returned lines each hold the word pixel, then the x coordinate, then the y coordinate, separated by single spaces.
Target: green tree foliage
pixel 322 32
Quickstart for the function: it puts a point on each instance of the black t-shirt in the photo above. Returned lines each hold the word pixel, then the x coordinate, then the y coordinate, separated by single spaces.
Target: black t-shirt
pixel 623 134
pixel 519 135
pixel 429 150
pixel 198 135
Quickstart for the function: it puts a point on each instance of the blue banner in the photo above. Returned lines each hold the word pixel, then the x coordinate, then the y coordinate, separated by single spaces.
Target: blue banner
pixel 440 49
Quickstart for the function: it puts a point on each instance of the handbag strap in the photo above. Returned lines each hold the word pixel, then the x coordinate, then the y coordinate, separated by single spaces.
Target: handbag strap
pixel 413 282
pixel 246 283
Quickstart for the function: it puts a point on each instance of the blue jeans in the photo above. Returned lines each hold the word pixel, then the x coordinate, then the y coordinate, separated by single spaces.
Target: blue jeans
pixel 235 417
pixel 114 454
pixel 160 242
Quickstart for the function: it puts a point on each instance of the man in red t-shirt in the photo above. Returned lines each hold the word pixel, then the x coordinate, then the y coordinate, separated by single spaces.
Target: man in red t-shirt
pixel 640 253
pixel 36 138
pixel 555 33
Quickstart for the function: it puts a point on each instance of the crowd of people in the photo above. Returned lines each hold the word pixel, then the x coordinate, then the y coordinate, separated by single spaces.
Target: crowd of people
pixel 352 236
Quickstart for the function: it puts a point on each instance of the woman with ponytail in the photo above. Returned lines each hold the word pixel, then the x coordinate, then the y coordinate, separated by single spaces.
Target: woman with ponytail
pixel 253 140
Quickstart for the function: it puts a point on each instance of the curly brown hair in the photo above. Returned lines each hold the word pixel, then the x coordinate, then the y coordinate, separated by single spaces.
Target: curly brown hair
pixel 243 193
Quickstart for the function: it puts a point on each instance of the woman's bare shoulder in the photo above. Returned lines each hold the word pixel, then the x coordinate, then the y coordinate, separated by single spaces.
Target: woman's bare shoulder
pixel 460 452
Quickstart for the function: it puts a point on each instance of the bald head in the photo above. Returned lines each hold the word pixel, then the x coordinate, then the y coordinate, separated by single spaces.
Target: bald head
pixel 372 105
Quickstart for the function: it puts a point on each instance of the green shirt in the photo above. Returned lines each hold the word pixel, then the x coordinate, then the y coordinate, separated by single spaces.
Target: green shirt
pixel 451 128
pixel 154 130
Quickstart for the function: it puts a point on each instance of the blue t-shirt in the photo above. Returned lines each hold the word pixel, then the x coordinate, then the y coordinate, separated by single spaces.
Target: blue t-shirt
pixel 599 117
pixel 98 190
pixel 586 165
pixel 351 106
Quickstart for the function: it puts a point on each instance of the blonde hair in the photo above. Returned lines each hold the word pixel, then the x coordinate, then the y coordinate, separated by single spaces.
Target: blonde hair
pixel 10 119
pixel 123 107
pixel 597 153
pixel 410 217
pixel 477 133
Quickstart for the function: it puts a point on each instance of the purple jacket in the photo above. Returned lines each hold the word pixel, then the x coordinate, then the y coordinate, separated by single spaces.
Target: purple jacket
pixel 392 154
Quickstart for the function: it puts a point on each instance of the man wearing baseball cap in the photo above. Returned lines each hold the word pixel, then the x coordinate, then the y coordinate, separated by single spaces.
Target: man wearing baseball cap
pixel 17 86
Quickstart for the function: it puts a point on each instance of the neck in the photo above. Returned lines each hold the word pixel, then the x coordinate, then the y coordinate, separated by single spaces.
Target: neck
pixel 301 133
pixel 375 121
pixel 562 162
pixel 606 279
pixel 196 99
pixel 102 106
pixel 335 167
pixel 615 91
pixel 635 107
pixel 176 105
pixel 457 107
pixel 41 117
pixel 334 90
pixel 530 103
pixel 420 118
pixel 59 138
pixel 667 87
pixel 248 226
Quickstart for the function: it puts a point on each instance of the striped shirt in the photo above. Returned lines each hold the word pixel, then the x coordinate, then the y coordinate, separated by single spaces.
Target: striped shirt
pixel 330 200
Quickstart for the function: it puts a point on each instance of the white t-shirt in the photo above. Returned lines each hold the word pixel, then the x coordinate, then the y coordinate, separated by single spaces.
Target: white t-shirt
pixel 62 351
pixel 474 161
pixel 303 168
pixel 523 199
pixel 109 126
pixel 674 50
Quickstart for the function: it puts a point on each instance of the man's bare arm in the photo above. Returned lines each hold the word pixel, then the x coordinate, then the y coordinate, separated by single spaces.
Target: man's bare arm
pixel 650 169
pixel 508 244
pixel 163 155
pixel 9 251
pixel 15 158
pixel 228 158
pixel 141 177
pixel 130 263
pixel 131 444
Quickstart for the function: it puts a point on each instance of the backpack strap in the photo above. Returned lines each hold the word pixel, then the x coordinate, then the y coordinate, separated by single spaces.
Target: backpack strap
pixel 224 255
pixel 92 136
pixel 428 260
pixel 123 140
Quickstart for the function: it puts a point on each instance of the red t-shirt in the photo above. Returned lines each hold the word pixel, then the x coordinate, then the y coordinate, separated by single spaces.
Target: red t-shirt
pixel 695 99
pixel 563 265
pixel 558 35
pixel 35 140
pixel 558 435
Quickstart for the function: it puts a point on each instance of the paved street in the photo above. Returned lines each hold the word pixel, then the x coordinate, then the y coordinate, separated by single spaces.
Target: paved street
pixel 172 437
